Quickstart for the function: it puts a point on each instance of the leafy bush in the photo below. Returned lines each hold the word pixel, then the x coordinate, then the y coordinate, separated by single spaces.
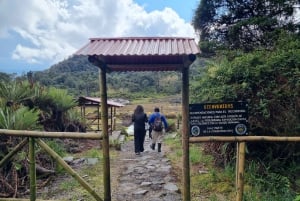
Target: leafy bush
pixel 267 80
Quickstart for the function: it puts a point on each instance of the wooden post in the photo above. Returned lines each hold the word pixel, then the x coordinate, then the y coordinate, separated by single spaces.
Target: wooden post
pixel 84 115
pixel 32 173
pixel 105 141
pixel 114 124
pixel 115 119
pixel 111 118
pixel 98 117
pixel 185 135
pixel 236 167
pixel 240 170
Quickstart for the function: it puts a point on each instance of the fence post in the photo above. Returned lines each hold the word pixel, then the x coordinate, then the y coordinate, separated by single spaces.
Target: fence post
pixel 32 169
pixel 240 170
pixel 186 194
pixel 105 141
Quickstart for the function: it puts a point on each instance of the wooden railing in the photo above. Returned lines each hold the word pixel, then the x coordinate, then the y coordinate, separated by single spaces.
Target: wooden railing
pixel 241 144
pixel 33 137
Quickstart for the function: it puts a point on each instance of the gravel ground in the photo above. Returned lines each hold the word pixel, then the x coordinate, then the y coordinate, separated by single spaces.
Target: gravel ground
pixel 145 177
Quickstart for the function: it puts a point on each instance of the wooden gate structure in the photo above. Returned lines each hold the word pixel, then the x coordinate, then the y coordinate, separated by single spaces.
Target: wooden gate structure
pixel 133 54
pixel 158 54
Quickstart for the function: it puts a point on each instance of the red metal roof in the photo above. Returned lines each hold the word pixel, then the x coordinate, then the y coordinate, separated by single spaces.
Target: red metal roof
pixel 92 101
pixel 141 53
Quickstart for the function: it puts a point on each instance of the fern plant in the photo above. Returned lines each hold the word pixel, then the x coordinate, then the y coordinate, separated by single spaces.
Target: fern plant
pixel 21 119
pixel 15 93
pixel 55 103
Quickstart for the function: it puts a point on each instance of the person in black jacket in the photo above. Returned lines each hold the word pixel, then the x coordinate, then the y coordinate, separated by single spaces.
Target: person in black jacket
pixel 139 118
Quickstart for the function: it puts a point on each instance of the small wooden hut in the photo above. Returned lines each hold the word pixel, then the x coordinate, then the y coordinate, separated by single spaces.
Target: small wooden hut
pixel 93 119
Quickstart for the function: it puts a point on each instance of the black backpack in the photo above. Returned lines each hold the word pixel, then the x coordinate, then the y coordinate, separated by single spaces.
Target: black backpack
pixel 157 125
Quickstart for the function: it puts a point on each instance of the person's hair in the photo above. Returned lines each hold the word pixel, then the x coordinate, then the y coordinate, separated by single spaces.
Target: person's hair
pixel 156 109
pixel 139 109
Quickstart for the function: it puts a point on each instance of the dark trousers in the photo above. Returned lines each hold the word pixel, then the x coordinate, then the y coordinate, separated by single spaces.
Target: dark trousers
pixel 139 138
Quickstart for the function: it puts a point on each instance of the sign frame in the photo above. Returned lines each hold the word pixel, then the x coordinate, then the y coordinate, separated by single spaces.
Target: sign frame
pixel 219 119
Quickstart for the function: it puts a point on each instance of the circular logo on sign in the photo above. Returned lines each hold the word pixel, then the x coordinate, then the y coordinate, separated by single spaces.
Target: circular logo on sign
pixel 240 129
pixel 195 130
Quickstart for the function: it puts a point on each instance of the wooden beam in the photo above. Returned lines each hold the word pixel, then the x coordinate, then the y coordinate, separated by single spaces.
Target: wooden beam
pixel 32 170
pixel 21 199
pixel 105 141
pixel 43 134
pixel 243 139
pixel 185 136
pixel 240 170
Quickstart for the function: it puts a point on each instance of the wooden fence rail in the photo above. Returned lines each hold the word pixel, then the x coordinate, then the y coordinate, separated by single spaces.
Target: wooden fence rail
pixel 32 137
pixel 43 134
pixel 243 139
pixel 241 144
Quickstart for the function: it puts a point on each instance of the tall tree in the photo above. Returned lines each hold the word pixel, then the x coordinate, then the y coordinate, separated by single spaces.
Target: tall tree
pixel 243 24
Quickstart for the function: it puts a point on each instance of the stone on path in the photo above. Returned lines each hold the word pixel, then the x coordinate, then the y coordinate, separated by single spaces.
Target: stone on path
pixel 145 177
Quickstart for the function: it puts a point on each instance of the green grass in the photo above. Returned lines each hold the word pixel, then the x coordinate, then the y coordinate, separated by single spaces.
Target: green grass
pixel 206 185
pixel 196 155
pixel 92 153
pixel 218 184
pixel 68 185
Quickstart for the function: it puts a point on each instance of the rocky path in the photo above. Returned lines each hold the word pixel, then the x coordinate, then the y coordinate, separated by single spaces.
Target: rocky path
pixel 145 177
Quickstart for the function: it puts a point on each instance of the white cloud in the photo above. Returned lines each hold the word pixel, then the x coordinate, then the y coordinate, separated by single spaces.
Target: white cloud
pixel 297 13
pixel 55 29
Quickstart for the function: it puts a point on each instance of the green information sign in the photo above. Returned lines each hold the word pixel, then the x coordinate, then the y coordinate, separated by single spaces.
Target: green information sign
pixel 219 119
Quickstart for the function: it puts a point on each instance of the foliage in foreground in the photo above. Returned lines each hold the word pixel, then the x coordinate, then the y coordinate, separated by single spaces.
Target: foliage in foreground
pixel 27 106
pixel 269 82
pixel 212 183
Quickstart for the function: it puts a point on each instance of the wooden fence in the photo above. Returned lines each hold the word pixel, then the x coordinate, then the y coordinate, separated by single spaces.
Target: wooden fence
pixel 32 137
pixel 241 144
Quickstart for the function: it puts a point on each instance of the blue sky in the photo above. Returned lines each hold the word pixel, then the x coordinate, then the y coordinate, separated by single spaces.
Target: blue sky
pixel 36 34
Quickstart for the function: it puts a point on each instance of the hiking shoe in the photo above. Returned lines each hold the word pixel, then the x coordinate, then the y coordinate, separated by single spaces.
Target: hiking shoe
pixel 152 146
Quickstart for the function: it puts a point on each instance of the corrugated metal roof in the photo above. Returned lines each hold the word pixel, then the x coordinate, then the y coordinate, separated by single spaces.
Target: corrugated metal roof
pixel 141 53
pixel 93 100
pixel 140 46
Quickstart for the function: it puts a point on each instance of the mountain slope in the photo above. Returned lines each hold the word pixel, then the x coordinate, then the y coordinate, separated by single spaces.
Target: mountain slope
pixel 80 77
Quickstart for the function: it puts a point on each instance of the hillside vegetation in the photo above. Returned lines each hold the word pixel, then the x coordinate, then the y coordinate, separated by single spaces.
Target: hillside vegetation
pixel 81 78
